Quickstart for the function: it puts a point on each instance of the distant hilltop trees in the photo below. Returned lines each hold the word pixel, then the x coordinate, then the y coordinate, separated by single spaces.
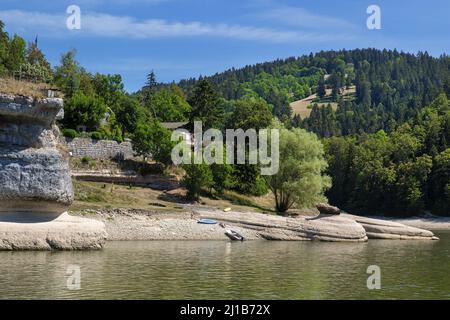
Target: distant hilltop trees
pixel 391 87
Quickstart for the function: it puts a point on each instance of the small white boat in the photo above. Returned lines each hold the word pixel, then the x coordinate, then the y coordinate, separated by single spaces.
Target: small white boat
pixel 207 221
pixel 233 235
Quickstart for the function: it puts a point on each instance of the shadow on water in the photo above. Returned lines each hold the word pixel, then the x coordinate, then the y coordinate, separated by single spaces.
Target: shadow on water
pixel 28 217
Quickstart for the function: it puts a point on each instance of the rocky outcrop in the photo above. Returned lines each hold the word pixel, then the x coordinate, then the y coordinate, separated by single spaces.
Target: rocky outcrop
pixel 325 208
pixel 322 227
pixel 35 182
pixel 383 229
pixel 34 179
pixel 62 233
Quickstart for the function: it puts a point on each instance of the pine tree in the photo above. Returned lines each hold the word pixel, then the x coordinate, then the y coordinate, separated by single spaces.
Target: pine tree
pixel 35 56
pixel 321 91
pixel 151 80
pixel 205 106
pixel 148 90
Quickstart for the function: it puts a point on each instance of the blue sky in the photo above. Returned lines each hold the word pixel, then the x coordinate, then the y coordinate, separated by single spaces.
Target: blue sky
pixel 187 38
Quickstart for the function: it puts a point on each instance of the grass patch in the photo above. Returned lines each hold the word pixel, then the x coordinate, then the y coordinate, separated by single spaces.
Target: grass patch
pixel 104 194
pixel 85 192
pixel 98 195
pixel 92 195
pixel 243 200
pixel 304 107
pixel 23 88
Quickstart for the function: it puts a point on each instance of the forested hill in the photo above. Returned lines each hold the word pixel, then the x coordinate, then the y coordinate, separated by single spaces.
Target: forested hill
pixel 391 87
pixel 383 115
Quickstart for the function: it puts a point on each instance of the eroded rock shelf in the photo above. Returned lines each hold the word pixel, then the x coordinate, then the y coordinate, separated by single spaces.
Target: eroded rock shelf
pixel 323 227
pixel 35 182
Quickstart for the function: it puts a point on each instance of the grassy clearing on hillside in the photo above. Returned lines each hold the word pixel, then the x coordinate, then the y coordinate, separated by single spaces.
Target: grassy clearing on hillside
pixel 23 88
pixel 303 107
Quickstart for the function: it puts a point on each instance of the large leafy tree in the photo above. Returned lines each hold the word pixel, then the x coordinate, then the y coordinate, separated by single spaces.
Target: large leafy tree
pixel 169 105
pixel 68 73
pixel 150 139
pixel 16 53
pixel 410 185
pixel 109 87
pixel 300 181
pixel 86 110
pixel 129 113
pixel 250 114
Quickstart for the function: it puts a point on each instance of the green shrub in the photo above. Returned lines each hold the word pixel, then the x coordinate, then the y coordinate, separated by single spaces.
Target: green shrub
pixel 36 72
pixel 260 188
pixel 248 180
pixel 70 133
pixel 86 160
pixel 88 110
pixel 96 135
pixel 197 179
pixel 111 130
pixel 222 177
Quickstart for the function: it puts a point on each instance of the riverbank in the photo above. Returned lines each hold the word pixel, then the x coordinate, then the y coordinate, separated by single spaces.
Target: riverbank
pixel 142 213
pixel 142 224
pixel 139 224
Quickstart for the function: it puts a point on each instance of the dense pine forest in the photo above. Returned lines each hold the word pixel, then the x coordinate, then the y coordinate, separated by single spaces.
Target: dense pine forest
pixel 391 87
pixel 382 116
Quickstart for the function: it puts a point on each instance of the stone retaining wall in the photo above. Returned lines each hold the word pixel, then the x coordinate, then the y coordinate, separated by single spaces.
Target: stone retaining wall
pixel 99 149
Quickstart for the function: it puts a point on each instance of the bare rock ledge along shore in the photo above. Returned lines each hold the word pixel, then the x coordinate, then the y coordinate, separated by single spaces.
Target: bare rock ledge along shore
pixel 138 224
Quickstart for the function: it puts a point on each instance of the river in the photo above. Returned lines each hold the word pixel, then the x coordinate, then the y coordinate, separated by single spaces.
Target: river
pixel 225 270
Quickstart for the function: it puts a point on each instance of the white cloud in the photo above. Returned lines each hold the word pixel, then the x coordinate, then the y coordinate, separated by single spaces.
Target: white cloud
pixel 105 25
pixel 27 20
pixel 300 17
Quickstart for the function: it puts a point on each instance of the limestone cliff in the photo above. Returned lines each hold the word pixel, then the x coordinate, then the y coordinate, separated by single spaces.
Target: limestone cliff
pixel 35 181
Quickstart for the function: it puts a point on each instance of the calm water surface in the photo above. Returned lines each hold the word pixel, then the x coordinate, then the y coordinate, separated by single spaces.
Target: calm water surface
pixel 224 270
